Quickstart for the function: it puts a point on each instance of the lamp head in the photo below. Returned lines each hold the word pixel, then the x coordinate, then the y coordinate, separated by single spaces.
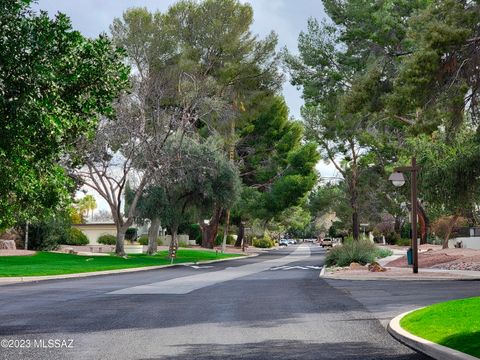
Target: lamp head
pixel 397 179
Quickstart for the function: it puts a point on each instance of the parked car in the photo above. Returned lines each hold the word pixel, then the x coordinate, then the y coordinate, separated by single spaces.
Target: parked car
pixel 283 242
pixel 327 242
pixel 292 241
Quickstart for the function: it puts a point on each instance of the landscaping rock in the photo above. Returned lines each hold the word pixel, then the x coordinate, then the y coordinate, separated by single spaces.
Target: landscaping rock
pixel 376 267
pixel 8 245
pixel 356 266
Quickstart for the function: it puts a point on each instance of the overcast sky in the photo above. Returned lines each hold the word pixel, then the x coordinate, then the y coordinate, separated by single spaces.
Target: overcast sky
pixel 286 17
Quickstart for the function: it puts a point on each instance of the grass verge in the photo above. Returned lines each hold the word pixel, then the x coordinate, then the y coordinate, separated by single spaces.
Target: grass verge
pixel 453 324
pixel 45 263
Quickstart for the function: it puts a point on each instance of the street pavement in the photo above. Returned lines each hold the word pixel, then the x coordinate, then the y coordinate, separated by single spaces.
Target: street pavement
pixel 273 306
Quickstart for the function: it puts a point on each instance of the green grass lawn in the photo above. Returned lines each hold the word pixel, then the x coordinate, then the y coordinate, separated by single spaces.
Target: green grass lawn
pixel 45 263
pixel 455 324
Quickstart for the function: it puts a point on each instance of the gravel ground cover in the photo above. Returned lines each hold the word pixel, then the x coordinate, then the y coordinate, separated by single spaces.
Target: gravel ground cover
pixel 449 259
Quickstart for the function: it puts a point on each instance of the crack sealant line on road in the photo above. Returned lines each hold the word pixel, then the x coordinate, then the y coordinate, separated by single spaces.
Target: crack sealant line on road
pixel 187 284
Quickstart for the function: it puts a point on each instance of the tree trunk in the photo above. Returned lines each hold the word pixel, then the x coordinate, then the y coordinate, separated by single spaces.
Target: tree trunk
pixel 210 230
pixel 153 236
pixel 173 248
pixel 354 204
pixel 119 246
pixel 423 222
pixel 240 234
pixel 398 224
pixel 225 232
pixel 355 225
pixel 451 225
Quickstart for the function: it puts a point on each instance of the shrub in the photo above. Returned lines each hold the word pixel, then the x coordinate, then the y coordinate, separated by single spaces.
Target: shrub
pixel 403 242
pixel 49 233
pixel 107 239
pixel 405 230
pixel 392 238
pixel 76 237
pixel 131 234
pixel 441 226
pixel 219 239
pixel 195 233
pixel 348 240
pixel 230 240
pixel 262 243
pixel 434 240
pixel 362 252
pixel 143 240
pixel 265 243
pixel 182 244
pixel 382 252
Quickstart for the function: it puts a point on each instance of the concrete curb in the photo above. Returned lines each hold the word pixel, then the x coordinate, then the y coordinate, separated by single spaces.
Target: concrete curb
pixel 435 351
pixel 423 275
pixel 23 279
pixel 322 272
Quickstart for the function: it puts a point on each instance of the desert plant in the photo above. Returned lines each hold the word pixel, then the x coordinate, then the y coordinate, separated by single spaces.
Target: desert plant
pixel 382 252
pixel 107 239
pixel 362 252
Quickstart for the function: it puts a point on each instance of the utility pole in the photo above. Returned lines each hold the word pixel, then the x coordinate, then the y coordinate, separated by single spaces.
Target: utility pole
pixel 414 170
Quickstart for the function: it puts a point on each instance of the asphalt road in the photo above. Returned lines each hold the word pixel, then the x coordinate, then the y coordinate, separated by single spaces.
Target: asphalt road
pixel 273 306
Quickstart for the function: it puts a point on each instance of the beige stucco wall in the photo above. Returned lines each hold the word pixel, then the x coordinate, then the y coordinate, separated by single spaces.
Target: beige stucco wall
pixel 93 231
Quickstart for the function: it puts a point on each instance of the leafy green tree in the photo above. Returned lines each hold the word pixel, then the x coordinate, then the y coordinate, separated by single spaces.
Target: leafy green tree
pixel 87 205
pixel 449 173
pixel 54 84
pixel 200 178
pixel 438 83
pixel 297 221
pixel 346 69
pixel 215 70
pixel 276 168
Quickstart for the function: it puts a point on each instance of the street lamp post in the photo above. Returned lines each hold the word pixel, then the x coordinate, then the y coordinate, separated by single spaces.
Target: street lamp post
pixel 398 180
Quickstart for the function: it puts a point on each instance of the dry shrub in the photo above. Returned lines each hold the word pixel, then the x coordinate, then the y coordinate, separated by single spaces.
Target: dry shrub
pixel 440 226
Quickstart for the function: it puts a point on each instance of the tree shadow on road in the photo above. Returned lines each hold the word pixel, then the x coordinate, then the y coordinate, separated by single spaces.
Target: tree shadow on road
pixel 294 350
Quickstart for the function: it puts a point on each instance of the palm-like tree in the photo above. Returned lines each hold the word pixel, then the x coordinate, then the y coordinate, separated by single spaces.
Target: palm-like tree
pixel 87 205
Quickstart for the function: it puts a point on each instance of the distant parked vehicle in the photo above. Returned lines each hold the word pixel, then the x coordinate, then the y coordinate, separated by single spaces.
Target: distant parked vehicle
pixel 327 242
pixel 283 242
pixel 292 241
